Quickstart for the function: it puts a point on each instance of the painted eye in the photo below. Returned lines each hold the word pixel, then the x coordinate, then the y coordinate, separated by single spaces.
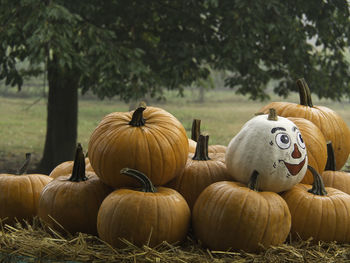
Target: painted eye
pixel 300 140
pixel 283 140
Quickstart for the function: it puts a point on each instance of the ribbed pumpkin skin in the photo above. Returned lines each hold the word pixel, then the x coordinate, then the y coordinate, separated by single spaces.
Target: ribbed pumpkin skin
pixel 337 179
pixel 328 121
pixel 323 218
pixel 19 195
pixel 159 148
pixel 198 175
pixel 141 216
pixel 67 168
pixel 228 215
pixel 74 205
pixel 316 146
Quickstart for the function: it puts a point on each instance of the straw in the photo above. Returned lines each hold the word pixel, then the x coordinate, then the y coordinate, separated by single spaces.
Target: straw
pixel 38 241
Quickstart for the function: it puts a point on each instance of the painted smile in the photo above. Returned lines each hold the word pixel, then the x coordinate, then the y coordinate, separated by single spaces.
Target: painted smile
pixel 294 169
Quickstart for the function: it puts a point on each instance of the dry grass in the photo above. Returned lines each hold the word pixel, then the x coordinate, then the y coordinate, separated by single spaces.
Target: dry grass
pixel 37 243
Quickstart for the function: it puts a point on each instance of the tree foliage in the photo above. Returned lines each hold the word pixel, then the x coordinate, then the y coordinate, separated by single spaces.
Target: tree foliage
pixel 129 48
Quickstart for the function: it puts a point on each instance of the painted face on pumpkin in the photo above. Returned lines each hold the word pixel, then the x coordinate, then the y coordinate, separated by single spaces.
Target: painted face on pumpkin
pixel 272 146
pixel 292 147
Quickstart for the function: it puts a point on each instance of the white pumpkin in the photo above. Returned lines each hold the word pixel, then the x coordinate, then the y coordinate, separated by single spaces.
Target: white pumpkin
pixel 272 146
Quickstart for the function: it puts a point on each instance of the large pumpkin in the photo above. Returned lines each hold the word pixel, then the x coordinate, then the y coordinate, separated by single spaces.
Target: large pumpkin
pixel 19 194
pixel 146 216
pixel 328 121
pixel 201 170
pixel 318 212
pixel 316 146
pixel 230 215
pixel 274 147
pixel 72 200
pixel 148 139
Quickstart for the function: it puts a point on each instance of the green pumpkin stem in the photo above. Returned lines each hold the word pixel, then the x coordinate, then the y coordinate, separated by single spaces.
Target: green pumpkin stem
pixel 304 93
pixel 318 185
pixel 78 173
pixel 196 129
pixel 24 167
pixel 201 153
pixel 272 115
pixel 137 118
pixel 253 181
pixel 331 164
pixel 146 183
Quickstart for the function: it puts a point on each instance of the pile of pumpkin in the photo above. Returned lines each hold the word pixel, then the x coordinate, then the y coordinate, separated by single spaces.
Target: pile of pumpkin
pixel 145 181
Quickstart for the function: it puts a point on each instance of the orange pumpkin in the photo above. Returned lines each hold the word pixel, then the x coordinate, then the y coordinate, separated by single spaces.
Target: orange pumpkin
pixel 230 215
pixel 72 200
pixel 195 132
pixel 201 170
pixel 328 121
pixel 333 178
pixel 148 139
pixel 146 216
pixel 316 146
pixel 67 168
pixel 318 212
pixel 20 194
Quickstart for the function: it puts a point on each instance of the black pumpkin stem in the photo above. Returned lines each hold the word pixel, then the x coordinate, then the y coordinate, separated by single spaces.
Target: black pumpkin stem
pixel 78 173
pixel 23 169
pixel 146 183
pixel 201 153
pixel 137 118
pixel 318 185
pixel 272 115
pixel 253 181
pixel 304 93
pixel 196 129
pixel 331 163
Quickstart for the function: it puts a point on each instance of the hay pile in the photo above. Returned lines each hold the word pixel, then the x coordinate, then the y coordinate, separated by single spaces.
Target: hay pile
pixel 36 242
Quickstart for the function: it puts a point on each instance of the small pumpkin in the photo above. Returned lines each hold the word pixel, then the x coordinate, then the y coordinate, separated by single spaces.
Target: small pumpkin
pixel 273 146
pixel 72 200
pixel 148 139
pixel 230 215
pixel 331 124
pixel 316 146
pixel 318 212
pixel 333 178
pixel 146 216
pixel 20 194
pixel 201 170
pixel 195 132
pixel 67 168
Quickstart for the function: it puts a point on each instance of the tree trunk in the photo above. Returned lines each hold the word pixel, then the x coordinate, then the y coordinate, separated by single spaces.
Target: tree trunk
pixel 62 116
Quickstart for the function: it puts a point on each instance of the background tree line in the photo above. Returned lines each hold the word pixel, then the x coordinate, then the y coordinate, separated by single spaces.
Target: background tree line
pixel 133 48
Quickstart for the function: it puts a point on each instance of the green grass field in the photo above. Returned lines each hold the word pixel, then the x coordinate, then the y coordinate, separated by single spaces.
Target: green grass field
pixel 23 122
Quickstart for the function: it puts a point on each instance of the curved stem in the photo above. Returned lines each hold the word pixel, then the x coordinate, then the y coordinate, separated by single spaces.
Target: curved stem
pixel 24 167
pixel 253 181
pixel 146 183
pixel 304 93
pixel 331 164
pixel 272 115
pixel 318 185
pixel 137 119
pixel 78 173
pixel 201 153
pixel 196 129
